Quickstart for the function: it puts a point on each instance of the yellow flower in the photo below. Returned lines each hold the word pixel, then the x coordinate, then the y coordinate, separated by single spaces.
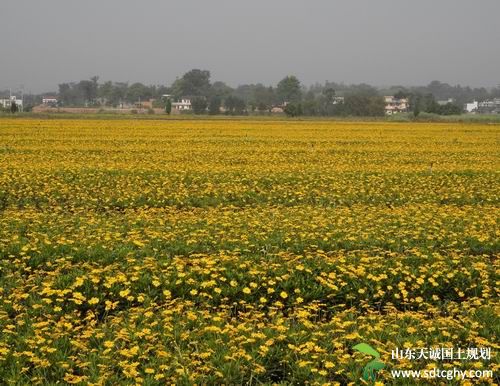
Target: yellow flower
pixel 247 290
pixel 109 344
pixel 283 295
pixel 93 301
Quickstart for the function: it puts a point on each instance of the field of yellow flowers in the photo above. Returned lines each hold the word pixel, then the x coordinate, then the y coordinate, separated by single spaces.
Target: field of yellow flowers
pixel 243 252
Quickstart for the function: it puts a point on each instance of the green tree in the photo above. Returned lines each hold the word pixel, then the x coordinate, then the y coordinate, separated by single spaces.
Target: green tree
pixel 119 93
pixel 214 105
pixel 69 94
pixel 360 105
pixel 13 107
pixel 328 100
pixel 199 105
pixel 329 94
pixel 449 109
pixel 139 92
pixel 288 89
pixel 400 95
pixel 220 89
pixel 310 104
pixel 193 83
pixel 376 106
pixel 263 98
pixel 234 105
pixel 416 107
pixel 293 109
pixel 105 91
pixel 87 89
pixel 168 106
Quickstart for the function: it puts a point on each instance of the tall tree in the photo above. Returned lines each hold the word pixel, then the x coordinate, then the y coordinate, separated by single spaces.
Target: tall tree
pixel 193 83
pixel 328 101
pixel 263 98
pixel 288 90
pixel 138 91
pixel 88 89
pixel 168 106
pixel 363 105
pixel 221 89
pixel 293 109
pixel 199 105
pixel 234 105
pixel 214 105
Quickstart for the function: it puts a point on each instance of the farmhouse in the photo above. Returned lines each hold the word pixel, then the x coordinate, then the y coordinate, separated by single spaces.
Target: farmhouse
pixel 6 103
pixel 490 106
pixel 49 100
pixel 183 105
pixel 395 105
pixel 471 107
pixel 145 104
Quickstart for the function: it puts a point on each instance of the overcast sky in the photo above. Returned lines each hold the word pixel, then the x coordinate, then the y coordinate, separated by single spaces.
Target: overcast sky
pixel 381 42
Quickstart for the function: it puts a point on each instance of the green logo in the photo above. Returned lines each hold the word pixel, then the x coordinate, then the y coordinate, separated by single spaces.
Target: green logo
pixel 372 366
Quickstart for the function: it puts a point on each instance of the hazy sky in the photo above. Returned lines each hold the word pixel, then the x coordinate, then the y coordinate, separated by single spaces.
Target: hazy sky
pixel 382 42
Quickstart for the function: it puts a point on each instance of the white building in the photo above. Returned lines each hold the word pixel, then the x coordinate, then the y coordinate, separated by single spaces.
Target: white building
pixel 338 100
pixel 49 100
pixel 6 103
pixel 396 105
pixel 490 106
pixel 445 102
pixel 472 107
pixel 183 105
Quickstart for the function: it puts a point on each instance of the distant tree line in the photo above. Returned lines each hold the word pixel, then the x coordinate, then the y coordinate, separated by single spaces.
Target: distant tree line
pixel 289 95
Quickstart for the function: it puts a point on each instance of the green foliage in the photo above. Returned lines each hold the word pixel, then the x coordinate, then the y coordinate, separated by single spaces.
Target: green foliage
pixel 220 89
pixel 363 106
pixel 366 349
pixel 310 108
pixel 199 105
pixel 193 83
pixel 289 89
pixel 293 109
pixel 214 105
pixel 234 105
pixel 14 108
pixel 263 98
pixel 168 106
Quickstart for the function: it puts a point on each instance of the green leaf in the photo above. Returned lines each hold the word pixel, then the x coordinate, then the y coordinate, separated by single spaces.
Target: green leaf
pixel 366 349
pixel 376 365
pixel 369 371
